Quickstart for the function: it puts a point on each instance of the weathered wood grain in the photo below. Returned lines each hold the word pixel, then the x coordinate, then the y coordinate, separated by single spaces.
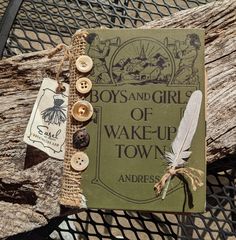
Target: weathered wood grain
pixel 30 181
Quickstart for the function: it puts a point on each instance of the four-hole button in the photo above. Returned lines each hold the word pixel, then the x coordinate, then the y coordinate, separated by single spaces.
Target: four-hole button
pixel 81 138
pixel 79 161
pixel 83 85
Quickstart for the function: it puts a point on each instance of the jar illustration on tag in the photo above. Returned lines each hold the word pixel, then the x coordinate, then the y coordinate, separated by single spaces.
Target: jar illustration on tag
pixel 55 114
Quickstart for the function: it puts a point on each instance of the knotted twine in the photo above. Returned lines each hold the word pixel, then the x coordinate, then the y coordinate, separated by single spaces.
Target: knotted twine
pixel 194 175
pixel 67 56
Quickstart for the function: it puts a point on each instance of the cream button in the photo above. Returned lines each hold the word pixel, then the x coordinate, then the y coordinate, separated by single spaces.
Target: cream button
pixel 79 161
pixel 84 63
pixel 83 85
pixel 82 111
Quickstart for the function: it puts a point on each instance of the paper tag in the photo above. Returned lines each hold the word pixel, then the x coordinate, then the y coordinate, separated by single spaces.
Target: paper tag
pixel 46 129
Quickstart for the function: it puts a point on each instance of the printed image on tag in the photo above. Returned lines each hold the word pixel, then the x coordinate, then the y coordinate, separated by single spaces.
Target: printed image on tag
pixel 46 129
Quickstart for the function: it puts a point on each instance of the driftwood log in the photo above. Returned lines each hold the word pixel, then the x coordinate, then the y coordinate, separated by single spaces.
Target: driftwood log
pixel 30 181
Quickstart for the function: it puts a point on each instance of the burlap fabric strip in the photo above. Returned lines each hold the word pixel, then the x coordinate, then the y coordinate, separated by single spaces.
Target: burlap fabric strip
pixel 71 192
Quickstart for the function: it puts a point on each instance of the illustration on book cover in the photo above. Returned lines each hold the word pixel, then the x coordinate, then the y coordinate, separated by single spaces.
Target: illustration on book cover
pixel 143 82
pixel 143 60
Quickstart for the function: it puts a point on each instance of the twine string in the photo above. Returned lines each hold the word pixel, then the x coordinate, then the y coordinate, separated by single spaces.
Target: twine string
pixel 194 175
pixel 67 56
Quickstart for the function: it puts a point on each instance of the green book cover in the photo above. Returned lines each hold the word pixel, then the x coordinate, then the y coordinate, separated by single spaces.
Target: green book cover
pixel 142 81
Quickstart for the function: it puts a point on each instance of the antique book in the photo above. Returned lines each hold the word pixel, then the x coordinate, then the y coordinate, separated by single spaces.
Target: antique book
pixel 142 81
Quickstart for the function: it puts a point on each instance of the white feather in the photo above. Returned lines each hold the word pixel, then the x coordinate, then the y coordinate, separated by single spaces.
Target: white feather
pixel 186 131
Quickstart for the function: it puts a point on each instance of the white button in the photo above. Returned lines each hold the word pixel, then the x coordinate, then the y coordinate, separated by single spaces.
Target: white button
pixel 82 111
pixel 84 63
pixel 79 161
pixel 83 85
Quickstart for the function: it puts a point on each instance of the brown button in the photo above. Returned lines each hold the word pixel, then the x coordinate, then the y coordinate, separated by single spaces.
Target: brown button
pixel 79 161
pixel 84 63
pixel 82 111
pixel 81 138
pixel 83 85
